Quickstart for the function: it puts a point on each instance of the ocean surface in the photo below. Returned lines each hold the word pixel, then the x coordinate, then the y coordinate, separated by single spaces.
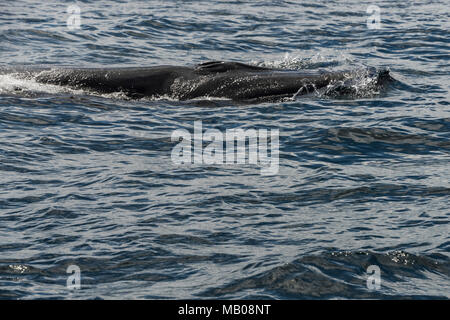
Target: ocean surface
pixel 87 180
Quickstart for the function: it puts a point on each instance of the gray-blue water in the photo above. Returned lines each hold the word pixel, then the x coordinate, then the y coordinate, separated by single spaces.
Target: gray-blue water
pixel 88 180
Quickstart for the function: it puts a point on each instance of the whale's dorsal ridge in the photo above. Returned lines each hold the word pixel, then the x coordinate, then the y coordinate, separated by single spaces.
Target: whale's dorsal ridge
pixel 223 66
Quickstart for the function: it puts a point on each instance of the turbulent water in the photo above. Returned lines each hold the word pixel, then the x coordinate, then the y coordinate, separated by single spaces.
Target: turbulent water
pixel 88 179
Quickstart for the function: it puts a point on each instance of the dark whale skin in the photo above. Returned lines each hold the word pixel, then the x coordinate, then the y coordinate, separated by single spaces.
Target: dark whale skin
pixel 231 80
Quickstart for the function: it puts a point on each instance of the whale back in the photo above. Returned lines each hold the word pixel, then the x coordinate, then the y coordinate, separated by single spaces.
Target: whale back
pixel 232 80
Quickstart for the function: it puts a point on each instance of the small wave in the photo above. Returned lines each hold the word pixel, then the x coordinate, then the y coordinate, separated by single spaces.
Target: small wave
pixel 343 274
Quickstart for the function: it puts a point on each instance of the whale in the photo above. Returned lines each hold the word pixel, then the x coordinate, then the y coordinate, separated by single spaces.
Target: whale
pixel 215 79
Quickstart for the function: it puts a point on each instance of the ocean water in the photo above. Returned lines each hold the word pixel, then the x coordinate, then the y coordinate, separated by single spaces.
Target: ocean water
pixel 87 180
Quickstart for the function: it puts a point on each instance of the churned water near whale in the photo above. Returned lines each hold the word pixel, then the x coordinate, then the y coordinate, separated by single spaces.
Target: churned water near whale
pixel 87 181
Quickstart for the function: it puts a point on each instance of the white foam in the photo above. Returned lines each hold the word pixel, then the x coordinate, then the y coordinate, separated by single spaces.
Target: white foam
pixel 304 61
pixel 15 83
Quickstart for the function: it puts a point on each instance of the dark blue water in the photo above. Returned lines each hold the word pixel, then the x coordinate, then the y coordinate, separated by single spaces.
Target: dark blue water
pixel 88 180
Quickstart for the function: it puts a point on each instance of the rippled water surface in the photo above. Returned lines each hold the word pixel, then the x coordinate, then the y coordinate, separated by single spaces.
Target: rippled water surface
pixel 88 179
